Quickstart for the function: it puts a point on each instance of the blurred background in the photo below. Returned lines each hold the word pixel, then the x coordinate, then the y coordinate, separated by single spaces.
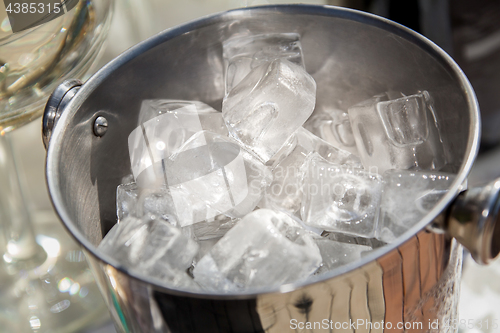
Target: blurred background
pixel 468 30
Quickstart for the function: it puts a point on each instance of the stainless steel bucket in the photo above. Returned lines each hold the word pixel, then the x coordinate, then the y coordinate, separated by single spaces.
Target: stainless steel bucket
pixel 409 284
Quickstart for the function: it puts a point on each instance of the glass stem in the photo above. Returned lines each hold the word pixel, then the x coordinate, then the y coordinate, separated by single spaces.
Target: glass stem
pixel 20 243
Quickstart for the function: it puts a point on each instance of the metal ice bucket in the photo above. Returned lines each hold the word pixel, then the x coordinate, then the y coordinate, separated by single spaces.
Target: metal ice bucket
pixel 412 281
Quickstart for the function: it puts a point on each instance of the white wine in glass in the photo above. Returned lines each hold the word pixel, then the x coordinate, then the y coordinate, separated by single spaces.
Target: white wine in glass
pixel 46 285
pixel 35 60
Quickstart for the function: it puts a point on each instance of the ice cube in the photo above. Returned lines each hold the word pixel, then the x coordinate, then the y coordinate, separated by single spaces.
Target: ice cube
pixel 243 54
pixel 333 126
pixel 139 202
pixel 132 200
pixel 127 179
pixel 407 197
pixel 214 228
pixel 152 247
pixel 126 200
pixel 205 246
pixel 340 198
pixel 211 175
pixel 400 133
pixel 268 106
pixel 374 243
pixel 256 254
pixel 293 228
pixel 183 115
pixel 164 126
pixel 284 192
pixel 335 254
pixel 313 143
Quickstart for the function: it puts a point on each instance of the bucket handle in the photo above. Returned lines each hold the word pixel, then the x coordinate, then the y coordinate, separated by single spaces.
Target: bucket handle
pixel 55 106
pixel 473 218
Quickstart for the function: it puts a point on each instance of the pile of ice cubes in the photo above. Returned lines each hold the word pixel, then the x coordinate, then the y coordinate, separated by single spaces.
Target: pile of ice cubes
pixel 248 198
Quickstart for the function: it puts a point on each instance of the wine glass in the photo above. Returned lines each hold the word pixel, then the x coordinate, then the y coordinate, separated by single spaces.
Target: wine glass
pixel 45 282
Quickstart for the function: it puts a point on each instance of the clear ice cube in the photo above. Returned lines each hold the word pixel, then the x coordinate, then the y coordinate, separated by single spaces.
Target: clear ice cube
pixel 126 200
pixel 214 228
pixel 407 197
pixel 293 228
pixel 152 247
pixel 335 254
pixel 268 106
pixel 132 200
pixel 127 179
pixel 313 143
pixel 373 243
pixel 243 54
pixel 399 133
pixel 182 113
pixel 164 126
pixel 333 126
pixel 211 175
pixel 285 190
pixel 205 246
pixel 340 198
pixel 256 253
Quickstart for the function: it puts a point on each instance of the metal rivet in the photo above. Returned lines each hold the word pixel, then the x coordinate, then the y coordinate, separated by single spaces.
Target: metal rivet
pixel 100 126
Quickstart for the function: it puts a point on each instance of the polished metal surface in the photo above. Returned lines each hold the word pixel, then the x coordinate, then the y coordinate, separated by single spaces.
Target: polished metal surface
pixel 416 285
pixel 350 54
pixel 473 221
pixel 55 105
pixel 100 126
